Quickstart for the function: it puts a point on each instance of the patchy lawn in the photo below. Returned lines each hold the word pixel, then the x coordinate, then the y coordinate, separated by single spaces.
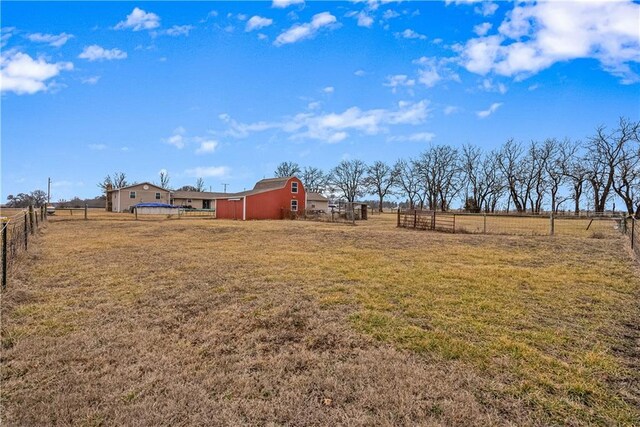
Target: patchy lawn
pixel 192 321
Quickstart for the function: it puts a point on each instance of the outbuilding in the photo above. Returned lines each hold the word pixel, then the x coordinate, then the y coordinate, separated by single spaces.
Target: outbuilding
pixel 273 198
pixel 317 203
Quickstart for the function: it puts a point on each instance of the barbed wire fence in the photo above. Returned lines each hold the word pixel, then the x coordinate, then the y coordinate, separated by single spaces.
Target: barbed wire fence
pixel 18 231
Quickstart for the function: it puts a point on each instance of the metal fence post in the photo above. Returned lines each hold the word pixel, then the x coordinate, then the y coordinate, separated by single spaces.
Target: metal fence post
pixel 5 225
pixel 31 218
pixel 26 232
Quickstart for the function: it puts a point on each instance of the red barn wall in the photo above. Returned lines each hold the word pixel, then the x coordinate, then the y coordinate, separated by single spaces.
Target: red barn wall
pixel 229 209
pixel 274 204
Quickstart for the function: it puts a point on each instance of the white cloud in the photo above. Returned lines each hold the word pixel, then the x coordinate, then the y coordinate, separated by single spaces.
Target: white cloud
pixel 91 80
pixel 534 36
pixel 450 109
pixel 492 109
pixel 138 20
pixel 359 73
pixel 179 30
pixel 21 74
pixel 285 3
pixel 488 85
pixel 178 138
pixel 335 127
pixel 364 19
pixel 328 89
pixel 487 8
pixel 389 14
pixel 482 29
pixel 97 147
pixel 6 34
pixel 208 171
pixel 304 31
pixel 410 34
pixel 415 137
pixel 98 53
pixel 207 146
pixel 52 39
pixel 257 22
pixel 262 36
pixel 399 80
pixel 434 70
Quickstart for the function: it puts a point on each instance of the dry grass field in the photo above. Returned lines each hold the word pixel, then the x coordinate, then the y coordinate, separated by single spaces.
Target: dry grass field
pixel 209 322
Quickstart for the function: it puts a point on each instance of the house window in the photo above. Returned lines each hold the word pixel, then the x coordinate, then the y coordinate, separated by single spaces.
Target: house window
pixel 188 200
pixel 132 194
pixel 157 196
pixel 294 187
pixel 294 206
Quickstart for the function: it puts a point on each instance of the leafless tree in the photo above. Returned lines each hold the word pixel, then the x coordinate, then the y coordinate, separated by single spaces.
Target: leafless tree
pixel 200 185
pixel 164 179
pixel 575 171
pixel 439 172
pixel 348 178
pixel 407 180
pixel 606 152
pixel 484 182
pixel 286 169
pixel 380 180
pixel 534 175
pixel 118 180
pixel 513 165
pixel 313 179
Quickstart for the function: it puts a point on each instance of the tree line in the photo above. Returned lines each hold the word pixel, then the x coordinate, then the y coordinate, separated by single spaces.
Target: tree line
pixel 526 177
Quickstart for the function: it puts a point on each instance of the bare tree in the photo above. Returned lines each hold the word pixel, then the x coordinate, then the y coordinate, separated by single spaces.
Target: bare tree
pixel 513 165
pixel 313 179
pixel 557 155
pixel 348 178
pixel 164 179
pixel 534 175
pixel 380 180
pixel 200 185
pixel 606 152
pixel 484 182
pixel 407 180
pixel 286 169
pixel 440 174
pixel 118 180
pixel 575 171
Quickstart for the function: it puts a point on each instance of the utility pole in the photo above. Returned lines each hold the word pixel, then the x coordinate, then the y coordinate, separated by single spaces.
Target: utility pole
pixel 225 187
pixel 48 191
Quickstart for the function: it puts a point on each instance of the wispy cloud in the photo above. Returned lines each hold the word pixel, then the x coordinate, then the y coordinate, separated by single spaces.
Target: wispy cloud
pixel 256 22
pixel 207 146
pixel 98 53
pixel 55 40
pixel 91 80
pixel 208 171
pixel 414 137
pixel 179 30
pixel 97 147
pixel 492 109
pixel 410 34
pixel 138 20
pixel 285 3
pixel 307 30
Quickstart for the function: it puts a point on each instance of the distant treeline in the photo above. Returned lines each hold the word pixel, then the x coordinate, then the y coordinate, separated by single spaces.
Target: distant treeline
pixel 523 177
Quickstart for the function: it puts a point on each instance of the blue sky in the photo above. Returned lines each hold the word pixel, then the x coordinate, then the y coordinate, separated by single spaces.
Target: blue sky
pixel 226 91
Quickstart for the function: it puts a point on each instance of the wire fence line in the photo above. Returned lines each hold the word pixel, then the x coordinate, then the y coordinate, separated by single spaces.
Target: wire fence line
pixel 600 226
pixel 17 233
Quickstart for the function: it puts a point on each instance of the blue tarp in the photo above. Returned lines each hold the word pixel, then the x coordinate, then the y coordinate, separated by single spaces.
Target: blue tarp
pixel 154 205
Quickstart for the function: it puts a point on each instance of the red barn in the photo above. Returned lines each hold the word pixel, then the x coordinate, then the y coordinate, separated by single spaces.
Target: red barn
pixel 275 198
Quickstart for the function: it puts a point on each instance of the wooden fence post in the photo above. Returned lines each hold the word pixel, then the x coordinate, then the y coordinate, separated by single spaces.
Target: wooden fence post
pixel 5 225
pixel 31 218
pixel 415 218
pixel 552 225
pixel 398 216
pixel 484 227
pixel 135 210
pixel 26 232
pixel 454 223
pixel 85 210
pixel 633 232
pixel 35 214
pixel 433 220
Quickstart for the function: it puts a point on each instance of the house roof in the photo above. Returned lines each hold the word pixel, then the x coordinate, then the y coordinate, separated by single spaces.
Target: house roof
pixel 271 183
pixel 138 185
pixel 198 195
pixel 316 197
